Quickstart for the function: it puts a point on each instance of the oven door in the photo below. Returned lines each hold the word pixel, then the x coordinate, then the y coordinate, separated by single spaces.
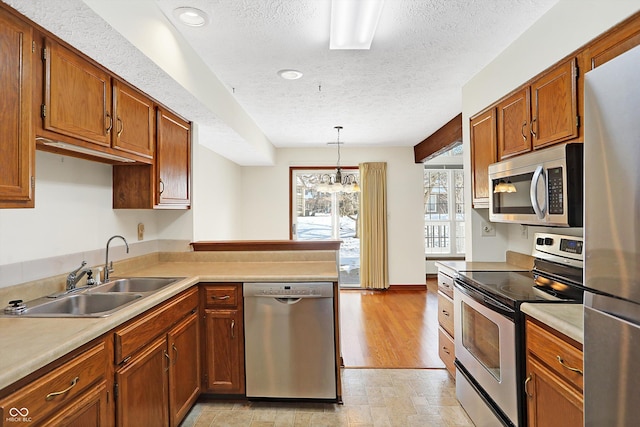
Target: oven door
pixel 485 346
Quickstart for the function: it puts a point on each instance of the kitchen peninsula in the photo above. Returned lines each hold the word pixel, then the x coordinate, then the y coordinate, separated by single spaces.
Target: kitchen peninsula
pixel 41 345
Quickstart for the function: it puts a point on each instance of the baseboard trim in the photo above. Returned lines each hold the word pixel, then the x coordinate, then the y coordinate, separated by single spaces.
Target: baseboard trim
pixel 413 288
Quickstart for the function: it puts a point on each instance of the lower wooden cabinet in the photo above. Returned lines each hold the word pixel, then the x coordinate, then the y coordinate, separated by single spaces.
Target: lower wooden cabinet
pixel 223 339
pixel 157 384
pixel 554 382
pixel 75 393
pixel 446 347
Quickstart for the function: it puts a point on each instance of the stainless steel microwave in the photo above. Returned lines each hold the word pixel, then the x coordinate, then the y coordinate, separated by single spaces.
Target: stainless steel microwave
pixel 539 188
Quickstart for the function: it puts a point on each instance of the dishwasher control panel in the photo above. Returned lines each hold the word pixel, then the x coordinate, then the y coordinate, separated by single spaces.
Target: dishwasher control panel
pixel 291 290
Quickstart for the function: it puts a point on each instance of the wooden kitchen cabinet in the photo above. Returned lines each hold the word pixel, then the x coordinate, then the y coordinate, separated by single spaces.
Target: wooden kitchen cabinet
pixel 514 118
pixel 133 121
pixel 74 393
pixel 184 371
pixel 17 144
pixel 223 339
pixel 77 96
pixel 166 184
pixel 554 105
pixel 554 379
pixel 446 347
pixel 157 376
pixel 483 153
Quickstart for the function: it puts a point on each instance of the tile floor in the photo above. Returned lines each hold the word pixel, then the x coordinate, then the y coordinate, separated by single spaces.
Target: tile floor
pixel 372 397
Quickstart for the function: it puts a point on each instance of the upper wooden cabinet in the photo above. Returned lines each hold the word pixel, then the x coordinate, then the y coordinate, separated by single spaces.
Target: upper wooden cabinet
pixel 17 145
pixel 77 96
pixel 614 42
pixel 483 153
pixel 554 105
pixel 514 121
pixel 83 105
pixel 165 184
pixel 173 159
pixel 133 121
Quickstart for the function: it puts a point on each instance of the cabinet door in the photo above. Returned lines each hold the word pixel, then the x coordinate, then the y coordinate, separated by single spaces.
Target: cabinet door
pixel 184 373
pixel 142 396
pixel 555 107
pixel 133 121
pixel 551 401
pixel 224 351
pixel 513 124
pixel 483 153
pixel 173 159
pixel 17 144
pixel 77 96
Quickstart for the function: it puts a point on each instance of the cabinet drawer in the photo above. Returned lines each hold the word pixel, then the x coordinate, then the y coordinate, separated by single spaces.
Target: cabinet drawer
pixel 445 284
pixel 221 295
pixel 446 350
pixel 560 356
pixel 145 328
pixel 37 401
pixel 445 313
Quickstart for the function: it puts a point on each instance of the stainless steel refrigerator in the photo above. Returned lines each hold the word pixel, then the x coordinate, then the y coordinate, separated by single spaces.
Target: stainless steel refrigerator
pixel 612 243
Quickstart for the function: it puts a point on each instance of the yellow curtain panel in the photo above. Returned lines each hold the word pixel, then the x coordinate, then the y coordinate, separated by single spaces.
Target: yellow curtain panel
pixel 373 226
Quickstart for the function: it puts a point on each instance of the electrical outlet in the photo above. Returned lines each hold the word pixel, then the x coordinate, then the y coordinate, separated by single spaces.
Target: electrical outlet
pixel 488 230
pixel 524 231
pixel 140 231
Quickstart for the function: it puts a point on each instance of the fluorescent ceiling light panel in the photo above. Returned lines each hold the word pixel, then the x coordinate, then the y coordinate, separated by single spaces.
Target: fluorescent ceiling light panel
pixel 353 23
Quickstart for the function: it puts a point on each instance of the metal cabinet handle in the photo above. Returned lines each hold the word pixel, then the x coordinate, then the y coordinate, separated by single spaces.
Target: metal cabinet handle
pixel 161 186
pixel 110 126
pixel 526 383
pixel 168 360
pixel 446 350
pixel 533 132
pixel 564 365
pixel 175 350
pixel 524 137
pixel 445 312
pixel 222 298
pixel 121 126
pixel 233 329
pixel 50 396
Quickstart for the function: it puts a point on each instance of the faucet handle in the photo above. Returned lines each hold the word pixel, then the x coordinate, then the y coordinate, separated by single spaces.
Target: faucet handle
pixel 79 268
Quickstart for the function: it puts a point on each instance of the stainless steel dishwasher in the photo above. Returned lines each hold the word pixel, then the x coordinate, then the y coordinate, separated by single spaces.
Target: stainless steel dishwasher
pixel 290 348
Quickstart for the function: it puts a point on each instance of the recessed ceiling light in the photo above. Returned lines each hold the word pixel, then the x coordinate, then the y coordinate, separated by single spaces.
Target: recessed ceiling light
pixel 191 16
pixel 290 74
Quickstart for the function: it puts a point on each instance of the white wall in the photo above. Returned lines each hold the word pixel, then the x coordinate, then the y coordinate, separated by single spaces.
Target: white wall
pixel 265 192
pixel 563 29
pixel 217 193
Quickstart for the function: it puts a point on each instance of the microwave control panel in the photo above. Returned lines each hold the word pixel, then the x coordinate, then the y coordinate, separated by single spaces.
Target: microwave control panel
pixel 556 190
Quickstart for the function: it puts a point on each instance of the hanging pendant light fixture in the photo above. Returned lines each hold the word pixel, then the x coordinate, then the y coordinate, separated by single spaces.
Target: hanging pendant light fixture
pixel 336 183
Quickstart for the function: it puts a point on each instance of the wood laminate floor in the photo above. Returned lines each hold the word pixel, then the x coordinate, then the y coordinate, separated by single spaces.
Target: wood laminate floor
pixel 389 329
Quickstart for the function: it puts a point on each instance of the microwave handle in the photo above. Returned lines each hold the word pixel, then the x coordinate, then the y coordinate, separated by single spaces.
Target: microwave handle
pixel 533 192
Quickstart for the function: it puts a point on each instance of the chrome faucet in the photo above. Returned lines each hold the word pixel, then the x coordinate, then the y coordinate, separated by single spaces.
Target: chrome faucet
pixel 108 267
pixel 74 277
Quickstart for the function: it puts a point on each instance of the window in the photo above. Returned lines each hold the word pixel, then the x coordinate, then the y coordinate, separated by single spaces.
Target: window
pixel 444 205
pixel 320 215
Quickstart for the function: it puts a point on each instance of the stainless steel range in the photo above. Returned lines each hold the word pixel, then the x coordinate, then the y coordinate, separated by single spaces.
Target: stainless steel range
pixel 489 326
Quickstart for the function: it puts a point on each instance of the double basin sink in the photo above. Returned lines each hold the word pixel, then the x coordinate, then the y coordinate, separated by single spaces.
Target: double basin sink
pixel 97 301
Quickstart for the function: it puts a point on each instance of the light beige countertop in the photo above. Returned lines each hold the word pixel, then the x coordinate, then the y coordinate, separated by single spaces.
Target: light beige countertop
pixel 564 318
pixel 27 344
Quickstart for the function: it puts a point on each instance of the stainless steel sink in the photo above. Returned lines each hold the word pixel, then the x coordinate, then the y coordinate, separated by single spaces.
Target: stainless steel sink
pixel 81 305
pixel 136 284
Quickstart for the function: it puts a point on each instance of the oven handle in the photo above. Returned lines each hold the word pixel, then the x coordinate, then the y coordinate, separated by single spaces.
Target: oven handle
pixel 485 300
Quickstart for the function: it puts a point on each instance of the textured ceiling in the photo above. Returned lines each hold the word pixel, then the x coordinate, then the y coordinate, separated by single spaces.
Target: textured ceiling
pixel 396 94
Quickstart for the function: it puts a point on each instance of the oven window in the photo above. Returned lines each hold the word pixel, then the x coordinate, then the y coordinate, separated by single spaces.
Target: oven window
pixel 481 337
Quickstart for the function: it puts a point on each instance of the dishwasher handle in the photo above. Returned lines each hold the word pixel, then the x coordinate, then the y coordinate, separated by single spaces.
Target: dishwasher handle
pixel 288 300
